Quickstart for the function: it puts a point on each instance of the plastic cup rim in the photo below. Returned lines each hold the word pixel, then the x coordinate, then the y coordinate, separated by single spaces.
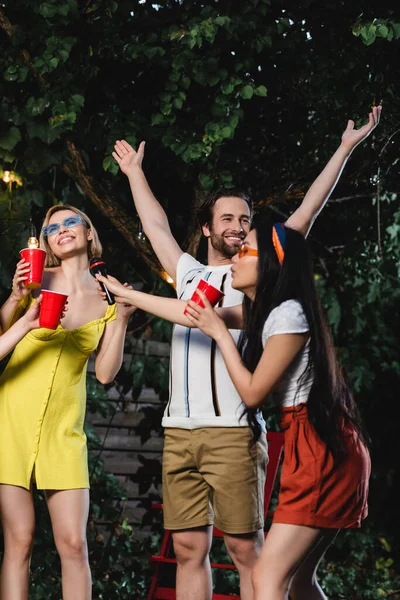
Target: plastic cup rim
pixel 41 250
pixel 53 292
pixel 211 285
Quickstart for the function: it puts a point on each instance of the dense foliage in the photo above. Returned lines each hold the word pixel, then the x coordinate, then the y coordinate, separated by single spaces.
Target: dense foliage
pixel 251 94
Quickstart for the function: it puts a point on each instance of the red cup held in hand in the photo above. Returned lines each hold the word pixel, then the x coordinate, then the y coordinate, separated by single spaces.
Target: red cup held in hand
pixel 213 294
pixel 51 309
pixel 36 258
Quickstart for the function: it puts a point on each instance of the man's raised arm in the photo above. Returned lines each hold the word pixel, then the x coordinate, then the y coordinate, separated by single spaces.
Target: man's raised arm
pixel 318 194
pixel 152 215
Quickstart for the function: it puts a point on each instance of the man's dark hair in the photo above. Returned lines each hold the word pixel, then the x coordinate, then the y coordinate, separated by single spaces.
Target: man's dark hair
pixel 204 211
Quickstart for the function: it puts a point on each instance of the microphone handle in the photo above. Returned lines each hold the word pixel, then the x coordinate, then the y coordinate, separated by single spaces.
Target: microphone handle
pixel 109 295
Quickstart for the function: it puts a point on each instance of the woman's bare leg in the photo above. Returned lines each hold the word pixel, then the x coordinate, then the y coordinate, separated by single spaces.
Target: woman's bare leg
pixel 69 511
pixel 18 521
pixel 286 549
pixel 304 583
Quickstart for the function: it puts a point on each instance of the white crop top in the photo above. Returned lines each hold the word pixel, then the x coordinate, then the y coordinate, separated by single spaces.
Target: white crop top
pixel 289 317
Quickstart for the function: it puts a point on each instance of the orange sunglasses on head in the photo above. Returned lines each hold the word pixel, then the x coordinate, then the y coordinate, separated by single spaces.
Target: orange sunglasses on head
pixel 245 250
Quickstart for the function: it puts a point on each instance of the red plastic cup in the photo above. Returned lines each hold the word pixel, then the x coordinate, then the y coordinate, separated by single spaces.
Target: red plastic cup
pixel 35 256
pixel 51 308
pixel 212 293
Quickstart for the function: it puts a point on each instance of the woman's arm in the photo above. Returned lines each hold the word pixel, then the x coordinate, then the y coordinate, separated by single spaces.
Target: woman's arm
pixel 279 352
pixel 320 191
pixel 13 308
pixel 170 309
pixel 110 352
pixel 15 334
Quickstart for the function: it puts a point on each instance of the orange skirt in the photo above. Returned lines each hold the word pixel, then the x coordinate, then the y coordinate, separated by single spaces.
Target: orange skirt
pixel 313 491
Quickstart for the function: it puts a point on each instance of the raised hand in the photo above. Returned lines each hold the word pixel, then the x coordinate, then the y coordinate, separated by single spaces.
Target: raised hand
pixel 352 137
pixel 127 157
pixel 19 291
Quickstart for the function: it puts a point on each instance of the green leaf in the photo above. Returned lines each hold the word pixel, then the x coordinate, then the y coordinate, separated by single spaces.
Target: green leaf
pixel 109 164
pixel 185 82
pixel 221 21
pixel 177 103
pixel 382 31
pixel 46 10
pixel 10 138
pixel 396 29
pixel 11 74
pixel 261 90
pixel 36 106
pixel 247 92
pixel 77 101
pixel 226 132
pixel 112 6
pixel 226 177
pixel 53 63
pixel 206 181
pixel 334 314
pixel 157 119
pixel 227 87
pixel 43 132
pixel 212 78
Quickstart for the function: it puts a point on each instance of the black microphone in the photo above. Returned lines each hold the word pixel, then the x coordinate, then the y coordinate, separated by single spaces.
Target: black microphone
pixel 97 266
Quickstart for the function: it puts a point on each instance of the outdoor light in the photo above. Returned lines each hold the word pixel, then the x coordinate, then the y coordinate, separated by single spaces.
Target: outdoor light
pixel 167 278
pixel 140 233
pixel 11 177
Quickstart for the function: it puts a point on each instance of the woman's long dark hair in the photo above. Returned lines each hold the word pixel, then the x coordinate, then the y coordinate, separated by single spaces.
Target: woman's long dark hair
pixel 330 405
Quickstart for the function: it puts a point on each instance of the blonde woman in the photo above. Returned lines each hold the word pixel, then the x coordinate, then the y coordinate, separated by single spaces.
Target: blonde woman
pixel 43 401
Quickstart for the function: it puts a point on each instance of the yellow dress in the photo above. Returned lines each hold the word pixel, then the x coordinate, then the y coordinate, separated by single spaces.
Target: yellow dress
pixel 43 404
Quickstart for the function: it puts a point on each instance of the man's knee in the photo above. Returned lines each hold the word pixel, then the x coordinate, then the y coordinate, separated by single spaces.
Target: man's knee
pixel 191 546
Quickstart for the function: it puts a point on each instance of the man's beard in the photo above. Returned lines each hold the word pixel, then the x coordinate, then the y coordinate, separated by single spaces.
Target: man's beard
pixel 219 244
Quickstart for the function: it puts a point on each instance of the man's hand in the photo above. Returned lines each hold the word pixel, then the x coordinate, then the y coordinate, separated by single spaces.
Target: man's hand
pixel 352 137
pixel 128 158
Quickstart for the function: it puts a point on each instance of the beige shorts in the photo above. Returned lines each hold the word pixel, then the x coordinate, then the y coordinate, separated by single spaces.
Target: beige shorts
pixel 211 476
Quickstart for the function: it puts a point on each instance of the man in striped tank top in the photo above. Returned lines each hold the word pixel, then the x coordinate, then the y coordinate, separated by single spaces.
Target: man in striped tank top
pixel 210 474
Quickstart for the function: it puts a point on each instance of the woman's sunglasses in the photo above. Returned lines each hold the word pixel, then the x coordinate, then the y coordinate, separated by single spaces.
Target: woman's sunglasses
pixel 245 250
pixel 49 230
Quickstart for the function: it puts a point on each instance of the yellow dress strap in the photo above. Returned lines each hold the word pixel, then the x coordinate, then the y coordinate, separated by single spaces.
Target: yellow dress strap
pixel 111 313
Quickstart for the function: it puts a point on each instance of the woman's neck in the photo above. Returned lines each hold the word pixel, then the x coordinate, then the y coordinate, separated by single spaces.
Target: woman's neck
pixel 76 272
pixel 250 293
